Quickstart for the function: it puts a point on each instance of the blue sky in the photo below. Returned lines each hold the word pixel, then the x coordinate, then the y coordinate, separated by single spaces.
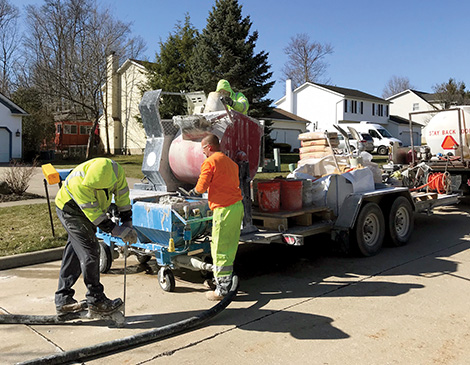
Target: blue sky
pixel 426 41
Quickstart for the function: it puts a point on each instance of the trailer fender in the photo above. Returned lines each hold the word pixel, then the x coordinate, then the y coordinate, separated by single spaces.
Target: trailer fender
pixel 349 211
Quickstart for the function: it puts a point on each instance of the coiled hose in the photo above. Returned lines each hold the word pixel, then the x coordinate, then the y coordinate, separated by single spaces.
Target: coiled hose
pixel 140 339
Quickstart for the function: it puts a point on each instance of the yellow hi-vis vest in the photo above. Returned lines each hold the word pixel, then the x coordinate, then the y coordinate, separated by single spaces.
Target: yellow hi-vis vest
pixel 92 185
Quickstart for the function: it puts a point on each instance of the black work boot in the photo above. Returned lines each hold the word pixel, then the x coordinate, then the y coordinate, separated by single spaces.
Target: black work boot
pixel 106 306
pixel 72 306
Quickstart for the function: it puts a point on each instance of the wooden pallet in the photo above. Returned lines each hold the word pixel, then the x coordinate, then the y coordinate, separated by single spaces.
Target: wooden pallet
pixel 283 220
pixel 419 197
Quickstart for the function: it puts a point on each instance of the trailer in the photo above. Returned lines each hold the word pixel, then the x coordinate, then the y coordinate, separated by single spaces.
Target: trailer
pixel 358 222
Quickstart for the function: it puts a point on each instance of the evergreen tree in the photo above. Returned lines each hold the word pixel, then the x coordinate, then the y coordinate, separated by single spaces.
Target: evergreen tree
pixel 170 72
pixel 225 50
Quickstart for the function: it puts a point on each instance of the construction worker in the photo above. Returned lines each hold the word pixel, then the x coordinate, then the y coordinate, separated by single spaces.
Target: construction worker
pixel 219 176
pixel 81 204
pixel 236 101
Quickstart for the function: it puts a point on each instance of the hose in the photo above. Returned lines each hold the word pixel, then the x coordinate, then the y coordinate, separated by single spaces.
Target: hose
pixel 437 181
pixel 125 343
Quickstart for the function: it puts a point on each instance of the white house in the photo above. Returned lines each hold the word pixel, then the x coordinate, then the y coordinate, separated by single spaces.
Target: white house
pixel 405 102
pixel 11 116
pixel 122 95
pixel 286 127
pixel 326 105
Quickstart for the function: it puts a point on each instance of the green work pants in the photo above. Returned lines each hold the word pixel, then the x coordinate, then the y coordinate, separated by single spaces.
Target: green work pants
pixel 226 226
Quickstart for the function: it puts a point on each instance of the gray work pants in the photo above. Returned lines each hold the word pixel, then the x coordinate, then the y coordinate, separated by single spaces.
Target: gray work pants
pixel 81 256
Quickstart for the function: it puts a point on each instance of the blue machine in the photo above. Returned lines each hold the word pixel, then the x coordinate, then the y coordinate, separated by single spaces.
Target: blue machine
pixel 170 227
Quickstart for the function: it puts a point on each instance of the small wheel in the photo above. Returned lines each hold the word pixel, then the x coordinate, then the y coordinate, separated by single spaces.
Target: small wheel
pixel 106 257
pixel 143 259
pixel 400 222
pixel 166 279
pixel 382 150
pixel 369 230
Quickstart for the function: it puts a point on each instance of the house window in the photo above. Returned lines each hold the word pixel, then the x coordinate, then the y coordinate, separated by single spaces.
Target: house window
pixel 380 110
pixel 386 110
pixel 373 108
pixel 415 106
pixel 354 106
pixel 70 129
pixel 85 129
pixel 59 128
pixel 362 107
pixel 345 106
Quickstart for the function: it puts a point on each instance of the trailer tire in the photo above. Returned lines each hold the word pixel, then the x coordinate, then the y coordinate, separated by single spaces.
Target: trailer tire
pixel 400 222
pixel 369 230
pixel 106 257
pixel 166 279
pixel 382 150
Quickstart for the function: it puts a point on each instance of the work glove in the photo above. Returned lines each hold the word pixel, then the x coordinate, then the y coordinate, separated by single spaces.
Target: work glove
pixel 127 234
pixel 193 192
pixel 227 100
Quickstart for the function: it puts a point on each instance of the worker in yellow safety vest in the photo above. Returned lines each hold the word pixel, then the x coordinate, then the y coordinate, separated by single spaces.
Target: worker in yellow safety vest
pixel 82 204
pixel 234 100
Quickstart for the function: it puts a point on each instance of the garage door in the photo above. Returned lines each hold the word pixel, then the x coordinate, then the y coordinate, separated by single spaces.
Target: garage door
pixel 4 145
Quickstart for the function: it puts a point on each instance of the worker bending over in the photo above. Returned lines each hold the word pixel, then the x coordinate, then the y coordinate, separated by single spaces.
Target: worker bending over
pixel 219 176
pixel 82 203
pixel 234 100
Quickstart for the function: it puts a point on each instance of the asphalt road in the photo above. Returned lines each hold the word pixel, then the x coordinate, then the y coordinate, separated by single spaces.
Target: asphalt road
pixel 407 305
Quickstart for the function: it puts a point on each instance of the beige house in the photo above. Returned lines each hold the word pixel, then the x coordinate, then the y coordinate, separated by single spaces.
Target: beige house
pixel 408 101
pixel 122 94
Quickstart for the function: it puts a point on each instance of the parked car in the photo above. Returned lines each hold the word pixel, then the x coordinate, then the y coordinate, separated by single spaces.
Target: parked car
pixel 365 144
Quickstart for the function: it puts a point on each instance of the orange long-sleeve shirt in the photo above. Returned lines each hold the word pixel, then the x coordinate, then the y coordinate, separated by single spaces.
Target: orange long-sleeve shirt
pixel 219 176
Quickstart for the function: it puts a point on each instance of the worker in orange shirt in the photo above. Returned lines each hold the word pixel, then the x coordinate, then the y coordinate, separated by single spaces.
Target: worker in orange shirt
pixel 219 176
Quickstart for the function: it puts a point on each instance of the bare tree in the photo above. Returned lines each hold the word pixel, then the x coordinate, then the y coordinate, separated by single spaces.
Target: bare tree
pixel 305 60
pixel 9 39
pixel 67 44
pixel 396 85
pixel 451 93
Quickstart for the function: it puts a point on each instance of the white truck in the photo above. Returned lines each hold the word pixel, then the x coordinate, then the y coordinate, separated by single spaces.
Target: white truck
pixel 382 137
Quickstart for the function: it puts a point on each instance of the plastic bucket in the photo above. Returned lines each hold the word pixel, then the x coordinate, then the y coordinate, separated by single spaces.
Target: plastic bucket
pixel 291 194
pixel 269 193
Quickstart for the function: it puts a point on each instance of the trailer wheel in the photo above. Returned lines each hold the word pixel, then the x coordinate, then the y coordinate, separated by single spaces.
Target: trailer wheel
pixel 400 222
pixel 106 257
pixel 382 150
pixel 369 230
pixel 143 259
pixel 166 279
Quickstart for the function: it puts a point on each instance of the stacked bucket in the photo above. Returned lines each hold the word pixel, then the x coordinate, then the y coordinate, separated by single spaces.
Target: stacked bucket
pixel 279 194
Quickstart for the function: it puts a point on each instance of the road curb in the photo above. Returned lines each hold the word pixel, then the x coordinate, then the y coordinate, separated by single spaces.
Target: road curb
pixel 31 258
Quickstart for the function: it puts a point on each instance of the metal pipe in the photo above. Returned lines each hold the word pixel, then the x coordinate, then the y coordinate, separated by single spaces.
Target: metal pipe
pixel 191 263
pixel 411 141
pixel 49 207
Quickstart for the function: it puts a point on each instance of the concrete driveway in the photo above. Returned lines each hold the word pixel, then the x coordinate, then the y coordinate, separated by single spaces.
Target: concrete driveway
pixel 407 305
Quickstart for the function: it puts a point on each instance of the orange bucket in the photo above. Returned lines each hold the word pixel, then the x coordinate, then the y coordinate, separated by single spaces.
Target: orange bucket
pixel 269 193
pixel 291 194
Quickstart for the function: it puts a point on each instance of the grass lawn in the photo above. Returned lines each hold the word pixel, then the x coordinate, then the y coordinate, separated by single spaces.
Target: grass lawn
pixel 27 228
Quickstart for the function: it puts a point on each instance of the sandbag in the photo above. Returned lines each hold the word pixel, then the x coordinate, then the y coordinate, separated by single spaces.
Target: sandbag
pixel 320 142
pixel 316 135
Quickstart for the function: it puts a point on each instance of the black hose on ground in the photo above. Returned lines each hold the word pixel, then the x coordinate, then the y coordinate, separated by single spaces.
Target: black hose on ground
pixel 125 343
